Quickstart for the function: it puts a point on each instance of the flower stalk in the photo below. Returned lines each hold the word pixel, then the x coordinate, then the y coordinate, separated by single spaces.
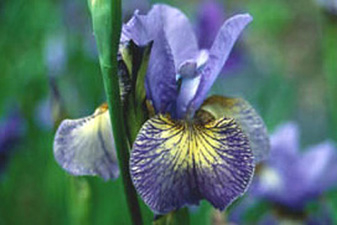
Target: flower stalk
pixel 106 18
pixel 330 68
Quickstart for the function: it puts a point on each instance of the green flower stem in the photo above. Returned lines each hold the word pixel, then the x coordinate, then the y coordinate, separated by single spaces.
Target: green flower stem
pixel 330 69
pixel 79 201
pixel 106 17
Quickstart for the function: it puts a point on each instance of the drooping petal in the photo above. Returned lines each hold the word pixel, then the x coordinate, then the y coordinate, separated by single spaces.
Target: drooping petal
pixel 218 55
pixel 175 163
pixel 179 33
pixel 246 116
pixel 86 147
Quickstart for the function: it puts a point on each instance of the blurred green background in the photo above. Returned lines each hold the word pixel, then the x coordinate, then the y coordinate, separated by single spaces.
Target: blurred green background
pixel 287 70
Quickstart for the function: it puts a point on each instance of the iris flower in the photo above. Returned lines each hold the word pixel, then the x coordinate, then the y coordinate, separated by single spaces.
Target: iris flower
pixel 210 17
pixel 292 178
pixel 12 130
pixel 329 5
pixel 191 148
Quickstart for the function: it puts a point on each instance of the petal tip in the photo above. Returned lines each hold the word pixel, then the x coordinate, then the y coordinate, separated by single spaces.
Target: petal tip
pixel 85 146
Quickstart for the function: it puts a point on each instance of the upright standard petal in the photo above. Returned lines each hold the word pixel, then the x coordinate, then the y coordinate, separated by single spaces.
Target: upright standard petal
pixel 179 33
pixel 246 116
pixel 172 22
pixel 175 163
pixel 161 75
pixel 174 43
pixel 86 146
pixel 218 55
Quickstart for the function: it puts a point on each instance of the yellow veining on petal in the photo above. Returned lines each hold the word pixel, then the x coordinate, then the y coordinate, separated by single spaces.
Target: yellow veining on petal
pixel 247 118
pixel 190 144
pixel 174 162
pixel 98 121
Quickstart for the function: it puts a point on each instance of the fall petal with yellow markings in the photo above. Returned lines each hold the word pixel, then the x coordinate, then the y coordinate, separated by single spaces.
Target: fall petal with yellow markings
pixel 248 119
pixel 176 163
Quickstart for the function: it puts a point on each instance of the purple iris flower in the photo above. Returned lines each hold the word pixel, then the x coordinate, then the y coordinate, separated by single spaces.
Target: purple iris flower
pixel 329 5
pixel 178 169
pixel 176 53
pixel 210 17
pixel 290 177
pixel 272 219
pixel 11 130
pixel 193 148
pixel 55 55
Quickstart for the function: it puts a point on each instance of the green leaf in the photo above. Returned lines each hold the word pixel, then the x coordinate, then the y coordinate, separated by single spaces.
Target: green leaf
pixel 330 70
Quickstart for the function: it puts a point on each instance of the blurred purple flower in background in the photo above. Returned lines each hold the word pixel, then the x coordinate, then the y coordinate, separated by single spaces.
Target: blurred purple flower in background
pixel 130 6
pixel 50 108
pixel 12 129
pixel 77 22
pixel 329 5
pixel 290 177
pixel 55 54
pixel 75 16
pixel 43 112
pixel 210 17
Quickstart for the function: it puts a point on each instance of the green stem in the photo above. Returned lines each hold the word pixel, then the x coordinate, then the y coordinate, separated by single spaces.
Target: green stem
pixel 106 16
pixel 122 146
pixel 330 69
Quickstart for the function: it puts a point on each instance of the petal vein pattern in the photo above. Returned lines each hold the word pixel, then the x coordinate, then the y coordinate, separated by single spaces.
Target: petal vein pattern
pixel 247 117
pixel 218 55
pixel 175 163
pixel 86 147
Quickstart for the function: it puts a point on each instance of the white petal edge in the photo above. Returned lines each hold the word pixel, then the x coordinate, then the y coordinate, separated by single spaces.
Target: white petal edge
pixel 85 146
